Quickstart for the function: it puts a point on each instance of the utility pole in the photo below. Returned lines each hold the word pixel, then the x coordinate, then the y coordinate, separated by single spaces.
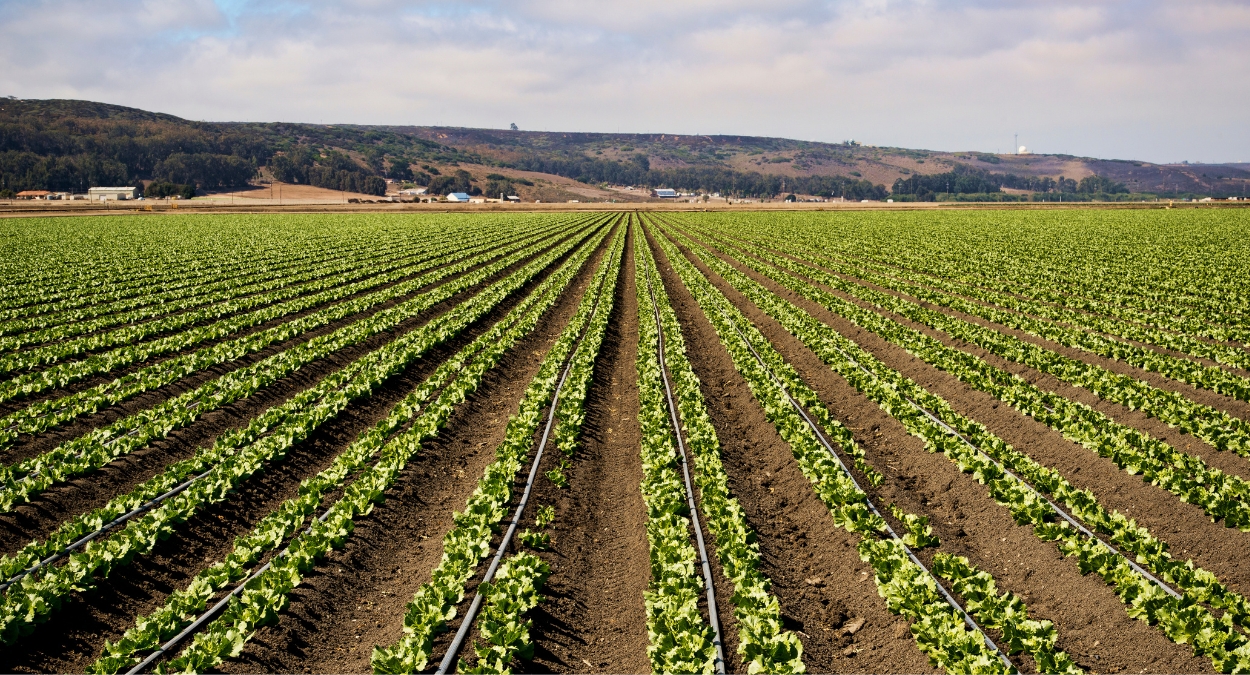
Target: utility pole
pixel 1016 143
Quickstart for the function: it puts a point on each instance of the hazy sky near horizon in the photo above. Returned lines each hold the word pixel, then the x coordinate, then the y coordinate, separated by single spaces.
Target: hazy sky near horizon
pixel 1157 80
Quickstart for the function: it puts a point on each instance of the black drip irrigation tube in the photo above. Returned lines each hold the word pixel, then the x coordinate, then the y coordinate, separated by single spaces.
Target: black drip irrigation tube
pixel 470 615
pixel 213 611
pixel 713 614
pixel 1053 506
pixel 221 604
pixel 950 599
pixel 122 519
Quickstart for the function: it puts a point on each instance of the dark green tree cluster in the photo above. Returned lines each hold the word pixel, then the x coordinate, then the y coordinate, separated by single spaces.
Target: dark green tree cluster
pixel 208 171
pixel 637 171
pixel 460 181
pixel 333 170
pixel 965 180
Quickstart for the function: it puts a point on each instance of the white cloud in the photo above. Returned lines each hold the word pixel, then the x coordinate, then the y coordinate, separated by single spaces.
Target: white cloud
pixel 1148 79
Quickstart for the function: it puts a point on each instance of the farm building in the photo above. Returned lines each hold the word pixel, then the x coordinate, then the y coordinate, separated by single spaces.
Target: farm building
pixel 33 194
pixel 100 193
pixel 458 197
pixel 664 193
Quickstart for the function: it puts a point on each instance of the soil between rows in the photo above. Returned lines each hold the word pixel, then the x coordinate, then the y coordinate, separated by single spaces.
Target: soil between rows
pixel 27 446
pixel 1188 530
pixel 72 638
pixel 594 619
pixel 355 598
pixel 895 266
pixel 1226 461
pixel 1092 624
pixel 257 276
pixel 42 515
pixel 797 538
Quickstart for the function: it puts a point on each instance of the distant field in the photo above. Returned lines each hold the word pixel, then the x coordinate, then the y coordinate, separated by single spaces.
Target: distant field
pixel 868 441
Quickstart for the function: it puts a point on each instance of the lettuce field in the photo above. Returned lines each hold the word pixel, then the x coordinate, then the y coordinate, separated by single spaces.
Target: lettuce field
pixel 964 441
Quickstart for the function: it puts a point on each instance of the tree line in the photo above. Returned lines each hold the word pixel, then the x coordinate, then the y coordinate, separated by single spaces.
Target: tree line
pixel 637 171
pixel 964 180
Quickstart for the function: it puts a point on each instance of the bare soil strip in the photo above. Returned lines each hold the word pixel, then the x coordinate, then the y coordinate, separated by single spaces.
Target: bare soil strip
pixel 1188 530
pixel 72 638
pixel 593 619
pixel 1092 623
pixel 355 599
pixel 54 506
pixel 27 446
pixel 1225 461
pixel 798 541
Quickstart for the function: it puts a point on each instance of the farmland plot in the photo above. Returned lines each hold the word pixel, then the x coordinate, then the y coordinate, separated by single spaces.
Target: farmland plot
pixel 621 442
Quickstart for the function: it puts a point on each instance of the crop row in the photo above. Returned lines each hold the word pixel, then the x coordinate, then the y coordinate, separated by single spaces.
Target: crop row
pixel 1184 334
pixel 97 448
pixel 938 625
pixel 975 450
pixel 468 543
pixel 176 257
pixel 514 591
pixel 405 421
pixel 261 286
pixel 1219 494
pixel 52 412
pixel 38 593
pixel 763 644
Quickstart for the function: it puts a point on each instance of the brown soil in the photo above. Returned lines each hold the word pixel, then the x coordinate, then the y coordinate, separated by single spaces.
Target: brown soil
pixel 1188 530
pixel 355 598
pixel 53 506
pixel 1226 461
pixel 266 271
pixel 73 636
pixel 11 453
pixel 1093 626
pixel 593 619
pixel 797 538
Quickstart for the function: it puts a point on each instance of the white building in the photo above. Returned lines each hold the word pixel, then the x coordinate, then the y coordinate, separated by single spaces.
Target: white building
pixel 664 193
pixel 101 193
pixel 458 197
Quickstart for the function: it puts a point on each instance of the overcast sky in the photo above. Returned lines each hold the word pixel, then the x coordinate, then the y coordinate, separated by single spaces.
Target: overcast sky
pixel 1157 80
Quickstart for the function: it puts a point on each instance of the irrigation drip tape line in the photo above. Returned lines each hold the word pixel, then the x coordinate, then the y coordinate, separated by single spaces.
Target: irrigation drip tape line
pixel 462 633
pixel 129 515
pixel 212 611
pixel 83 541
pixel 950 599
pixel 1054 507
pixel 713 614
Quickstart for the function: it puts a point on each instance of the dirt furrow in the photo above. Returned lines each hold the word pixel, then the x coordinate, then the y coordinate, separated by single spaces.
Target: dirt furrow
pixel 1093 625
pixel 355 598
pixel 72 638
pixel 52 507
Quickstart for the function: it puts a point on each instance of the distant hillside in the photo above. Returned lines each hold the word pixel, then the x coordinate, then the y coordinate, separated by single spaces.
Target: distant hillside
pixel 72 145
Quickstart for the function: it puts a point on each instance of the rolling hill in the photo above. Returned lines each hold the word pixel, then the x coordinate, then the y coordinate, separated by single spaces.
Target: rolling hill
pixel 71 145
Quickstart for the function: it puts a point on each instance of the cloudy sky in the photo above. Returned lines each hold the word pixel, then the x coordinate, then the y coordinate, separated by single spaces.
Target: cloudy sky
pixel 1161 80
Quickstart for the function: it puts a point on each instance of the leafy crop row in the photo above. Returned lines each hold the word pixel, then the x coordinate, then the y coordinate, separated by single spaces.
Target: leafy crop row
pixel 39 593
pixel 102 445
pixel 764 645
pixel 908 589
pixel 468 543
pixel 1185 620
pixel 53 412
pixel 1219 494
pixel 284 521
pixel 263 287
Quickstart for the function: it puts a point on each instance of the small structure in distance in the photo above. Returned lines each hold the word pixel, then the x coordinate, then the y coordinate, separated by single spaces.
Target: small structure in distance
pixel 664 193
pixel 102 193
pixel 458 197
